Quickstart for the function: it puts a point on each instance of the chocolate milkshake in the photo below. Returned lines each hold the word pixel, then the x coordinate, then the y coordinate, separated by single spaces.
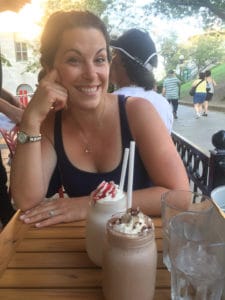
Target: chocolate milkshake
pixel 129 257
pixel 106 200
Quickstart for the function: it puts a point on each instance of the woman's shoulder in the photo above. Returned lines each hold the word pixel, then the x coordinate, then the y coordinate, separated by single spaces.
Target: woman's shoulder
pixel 196 81
pixel 134 100
pixel 210 79
pixel 139 105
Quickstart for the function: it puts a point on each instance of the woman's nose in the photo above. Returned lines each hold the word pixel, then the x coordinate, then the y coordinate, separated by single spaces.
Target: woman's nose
pixel 89 70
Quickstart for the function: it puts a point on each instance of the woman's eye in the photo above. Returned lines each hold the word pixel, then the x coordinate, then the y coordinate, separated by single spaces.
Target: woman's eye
pixel 100 60
pixel 72 60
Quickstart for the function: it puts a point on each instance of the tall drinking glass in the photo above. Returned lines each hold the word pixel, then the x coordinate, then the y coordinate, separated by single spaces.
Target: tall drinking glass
pixel 218 197
pixel 197 254
pixel 175 202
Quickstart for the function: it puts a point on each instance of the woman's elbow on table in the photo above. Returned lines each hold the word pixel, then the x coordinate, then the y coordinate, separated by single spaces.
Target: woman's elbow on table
pixel 25 201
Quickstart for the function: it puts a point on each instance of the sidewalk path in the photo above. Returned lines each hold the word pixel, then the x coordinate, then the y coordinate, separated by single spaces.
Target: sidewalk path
pixel 198 131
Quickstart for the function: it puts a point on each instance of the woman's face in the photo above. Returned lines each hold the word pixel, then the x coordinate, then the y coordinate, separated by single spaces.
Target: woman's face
pixel 83 67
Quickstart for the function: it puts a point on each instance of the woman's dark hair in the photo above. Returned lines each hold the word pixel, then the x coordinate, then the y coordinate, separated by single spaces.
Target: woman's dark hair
pixel 137 74
pixel 61 21
pixel 202 75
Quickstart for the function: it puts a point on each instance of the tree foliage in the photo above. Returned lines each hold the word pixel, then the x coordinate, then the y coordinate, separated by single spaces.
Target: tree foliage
pixel 122 15
pixel 170 51
pixel 96 6
pixel 201 50
pixel 4 60
pixel 207 49
pixel 119 15
pixel 211 11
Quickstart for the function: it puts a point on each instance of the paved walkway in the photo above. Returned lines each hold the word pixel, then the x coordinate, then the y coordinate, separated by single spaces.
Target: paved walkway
pixel 198 131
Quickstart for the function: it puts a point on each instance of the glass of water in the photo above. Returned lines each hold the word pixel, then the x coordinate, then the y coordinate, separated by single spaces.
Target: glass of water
pixel 175 202
pixel 218 198
pixel 197 256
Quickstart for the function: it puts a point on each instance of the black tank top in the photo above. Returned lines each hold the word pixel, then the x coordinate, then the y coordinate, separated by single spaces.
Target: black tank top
pixel 77 182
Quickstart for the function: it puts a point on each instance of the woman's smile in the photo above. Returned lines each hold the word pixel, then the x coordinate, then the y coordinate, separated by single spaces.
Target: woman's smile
pixel 88 89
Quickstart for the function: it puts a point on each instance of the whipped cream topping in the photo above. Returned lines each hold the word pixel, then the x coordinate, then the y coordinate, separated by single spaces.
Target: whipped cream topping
pixel 106 192
pixel 132 222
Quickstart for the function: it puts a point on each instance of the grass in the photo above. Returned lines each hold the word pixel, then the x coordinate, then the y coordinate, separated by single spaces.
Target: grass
pixel 218 73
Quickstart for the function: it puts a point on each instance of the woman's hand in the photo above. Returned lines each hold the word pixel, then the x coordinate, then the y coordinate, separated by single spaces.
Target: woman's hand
pixel 55 211
pixel 50 94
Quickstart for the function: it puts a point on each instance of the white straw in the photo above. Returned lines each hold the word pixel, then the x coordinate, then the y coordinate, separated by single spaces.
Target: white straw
pixel 130 175
pixel 124 168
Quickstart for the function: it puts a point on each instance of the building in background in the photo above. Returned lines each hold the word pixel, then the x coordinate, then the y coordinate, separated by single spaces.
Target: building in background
pixel 17 51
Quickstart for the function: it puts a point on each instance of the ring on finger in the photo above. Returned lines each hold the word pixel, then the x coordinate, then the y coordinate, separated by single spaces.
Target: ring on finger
pixel 52 104
pixel 51 213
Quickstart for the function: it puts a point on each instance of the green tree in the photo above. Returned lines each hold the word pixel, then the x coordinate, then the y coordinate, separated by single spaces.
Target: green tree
pixel 201 50
pixel 123 14
pixel 211 11
pixel 170 52
pixel 96 6
pixel 4 60
pixel 207 49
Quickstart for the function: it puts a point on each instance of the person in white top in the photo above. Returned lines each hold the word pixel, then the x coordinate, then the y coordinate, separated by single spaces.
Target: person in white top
pixel 133 58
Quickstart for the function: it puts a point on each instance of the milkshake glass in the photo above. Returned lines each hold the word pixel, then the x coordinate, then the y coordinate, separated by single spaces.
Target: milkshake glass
pixel 129 262
pixel 102 206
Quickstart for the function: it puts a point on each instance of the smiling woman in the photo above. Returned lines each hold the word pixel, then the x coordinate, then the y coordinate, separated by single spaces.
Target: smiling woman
pixel 78 131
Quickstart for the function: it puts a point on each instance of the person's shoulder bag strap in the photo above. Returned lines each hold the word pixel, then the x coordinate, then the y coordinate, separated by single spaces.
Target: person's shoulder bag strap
pixel 199 83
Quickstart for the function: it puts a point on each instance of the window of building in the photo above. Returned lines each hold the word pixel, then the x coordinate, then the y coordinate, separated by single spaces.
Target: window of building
pixel 21 51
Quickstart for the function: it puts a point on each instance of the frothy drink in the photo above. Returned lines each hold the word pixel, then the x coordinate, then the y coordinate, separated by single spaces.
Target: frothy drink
pixel 106 200
pixel 130 257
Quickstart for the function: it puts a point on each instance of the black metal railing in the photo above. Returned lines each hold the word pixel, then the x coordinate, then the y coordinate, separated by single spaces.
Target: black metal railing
pixel 205 171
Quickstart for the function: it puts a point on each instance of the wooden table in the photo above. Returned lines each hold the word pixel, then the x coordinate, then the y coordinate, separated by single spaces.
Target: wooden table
pixel 51 263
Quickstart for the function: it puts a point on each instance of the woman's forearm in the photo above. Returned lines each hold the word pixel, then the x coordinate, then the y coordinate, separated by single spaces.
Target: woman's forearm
pixel 149 199
pixel 27 179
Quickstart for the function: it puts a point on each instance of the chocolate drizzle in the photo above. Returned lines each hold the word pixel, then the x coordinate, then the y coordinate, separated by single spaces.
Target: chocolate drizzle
pixel 132 222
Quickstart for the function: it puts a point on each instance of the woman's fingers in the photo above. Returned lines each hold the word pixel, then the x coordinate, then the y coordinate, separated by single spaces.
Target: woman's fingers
pixel 48 213
pixel 50 94
pixel 50 221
